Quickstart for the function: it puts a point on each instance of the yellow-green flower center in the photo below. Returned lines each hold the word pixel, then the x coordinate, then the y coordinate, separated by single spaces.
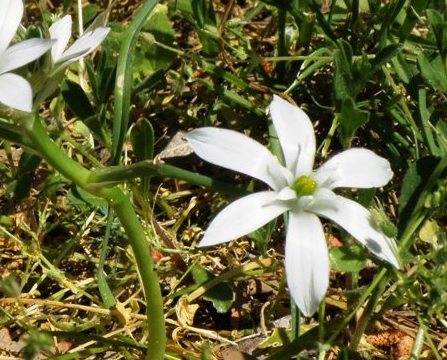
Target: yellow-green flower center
pixel 304 185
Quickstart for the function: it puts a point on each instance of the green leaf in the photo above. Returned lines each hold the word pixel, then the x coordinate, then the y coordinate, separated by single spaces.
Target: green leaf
pixel 413 186
pixel 441 128
pixel 77 100
pixel 142 139
pixel 23 184
pixel 102 77
pixel 439 27
pixel 123 84
pixel 279 337
pixel 67 4
pixel 425 113
pixel 205 24
pixel 430 232
pixel 156 80
pixel 380 220
pixel 414 12
pixel 343 80
pixel 321 19
pixel 433 71
pixel 351 118
pixel 384 56
pixel 89 12
pixel 79 104
pixel 203 11
pixel 220 295
pixel 262 236
pixel 347 258
pixel 157 36
pixel 107 296
pixel 402 68
pixel 81 198
pixel 184 7
pixel 52 185
pixel 208 38
pixel 306 29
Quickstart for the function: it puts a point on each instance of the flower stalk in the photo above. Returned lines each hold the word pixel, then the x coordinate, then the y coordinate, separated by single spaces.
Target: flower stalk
pixel 145 168
pixel 122 206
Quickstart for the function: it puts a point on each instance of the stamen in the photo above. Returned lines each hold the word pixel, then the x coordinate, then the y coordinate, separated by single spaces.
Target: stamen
pixel 304 186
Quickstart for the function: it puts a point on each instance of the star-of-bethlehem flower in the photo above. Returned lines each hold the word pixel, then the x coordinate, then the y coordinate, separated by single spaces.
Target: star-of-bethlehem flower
pixel 15 91
pixel 299 190
pixel 84 45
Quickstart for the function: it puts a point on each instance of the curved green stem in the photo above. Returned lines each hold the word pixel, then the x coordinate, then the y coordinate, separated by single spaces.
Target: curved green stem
pixel 122 205
pixel 141 249
pixel 49 151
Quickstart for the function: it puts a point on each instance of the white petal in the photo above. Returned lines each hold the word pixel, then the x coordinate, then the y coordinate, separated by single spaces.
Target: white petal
pixel 307 261
pixel 60 31
pixel 15 92
pixel 243 216
pixel 286 194
pixel 357 168
pixel 296 135
pixel 11 12
pixel 232 150
pixel 23 53
pixel 356 220
pixel 87 43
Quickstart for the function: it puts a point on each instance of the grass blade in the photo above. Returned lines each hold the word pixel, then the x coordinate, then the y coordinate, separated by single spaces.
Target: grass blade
pixel 123 84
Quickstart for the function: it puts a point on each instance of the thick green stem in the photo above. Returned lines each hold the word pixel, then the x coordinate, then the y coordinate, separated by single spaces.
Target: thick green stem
pixel 128 218
pixel 14 134
pixel 113 174
pixel 53 155
pixel 141 249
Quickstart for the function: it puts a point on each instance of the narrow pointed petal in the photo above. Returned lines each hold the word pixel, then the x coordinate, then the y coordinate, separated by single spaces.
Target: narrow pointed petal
pixel 60 31
pixel 11 12
pixel 242 217
pixel 23 53
pixel 354 168
pixel 296 135
pixel 15 92
pixel 306 261
pixel 356 220
pixel 87 43
pixel 234 151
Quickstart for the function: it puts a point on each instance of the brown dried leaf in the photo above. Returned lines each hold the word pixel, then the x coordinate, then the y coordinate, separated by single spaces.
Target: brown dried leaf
pixel 185 311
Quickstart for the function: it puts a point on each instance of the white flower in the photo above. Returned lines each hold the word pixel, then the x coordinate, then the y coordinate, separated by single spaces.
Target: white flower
pixel 15 91
pixel 88 42
pixel 297 189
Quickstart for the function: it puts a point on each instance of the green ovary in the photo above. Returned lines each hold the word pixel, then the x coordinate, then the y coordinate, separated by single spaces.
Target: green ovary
pixel 304 185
